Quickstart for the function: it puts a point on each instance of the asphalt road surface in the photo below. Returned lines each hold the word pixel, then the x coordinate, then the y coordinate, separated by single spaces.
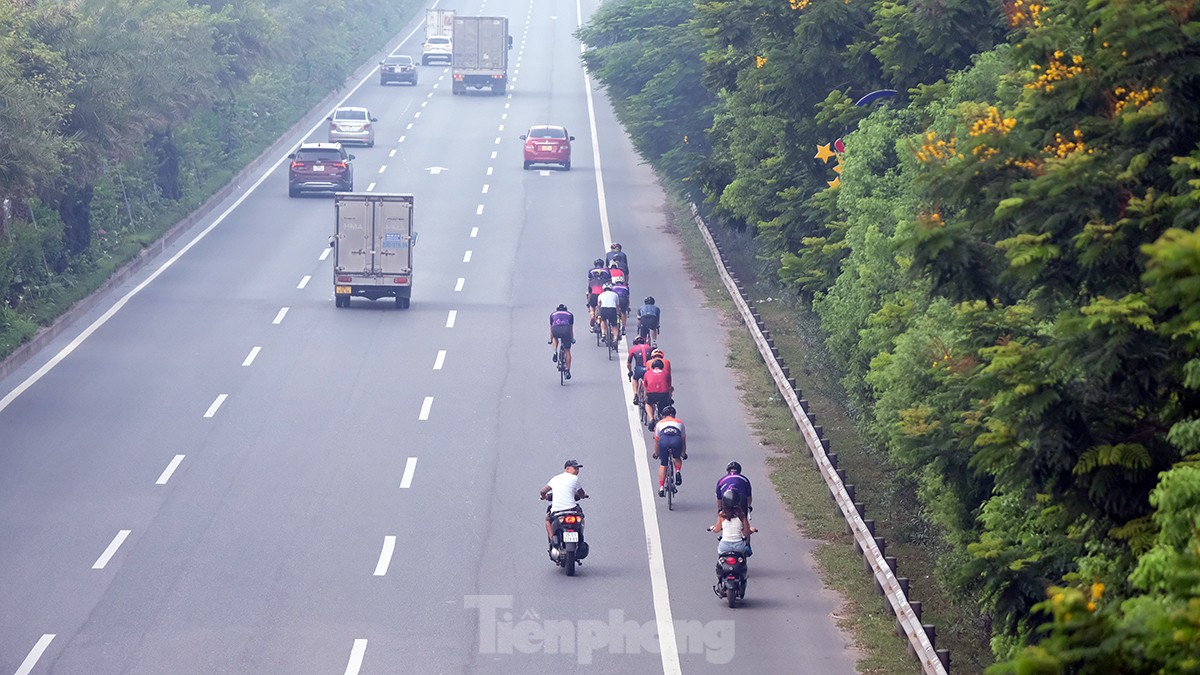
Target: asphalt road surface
pixel 216 471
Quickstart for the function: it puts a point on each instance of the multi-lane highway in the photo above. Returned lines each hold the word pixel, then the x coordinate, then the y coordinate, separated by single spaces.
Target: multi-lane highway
pixel 216 471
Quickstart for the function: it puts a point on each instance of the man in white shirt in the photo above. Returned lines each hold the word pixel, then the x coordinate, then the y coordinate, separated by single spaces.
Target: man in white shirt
pixel 566 490
pixel 609 302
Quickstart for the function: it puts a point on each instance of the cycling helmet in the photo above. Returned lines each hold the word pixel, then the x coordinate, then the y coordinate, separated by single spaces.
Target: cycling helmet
pixel 615 246
pixel 668 411
pixel 607 286
pixel 733 467
pixel 658 354
pixel 561 308
pixel 614 263
pixel 649 300
pixel 639 340
pixel 730 499
pixel 599 262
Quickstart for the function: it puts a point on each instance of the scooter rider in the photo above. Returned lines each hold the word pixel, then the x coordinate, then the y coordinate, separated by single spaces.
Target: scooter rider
pixel 734 481
pixel 563 492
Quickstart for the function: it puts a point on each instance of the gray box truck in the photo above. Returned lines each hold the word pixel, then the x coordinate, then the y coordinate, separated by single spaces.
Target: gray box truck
pixel 481 45
pixel 372 247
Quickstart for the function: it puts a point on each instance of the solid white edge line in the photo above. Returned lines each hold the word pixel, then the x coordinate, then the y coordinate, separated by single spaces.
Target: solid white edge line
pixel 356 656
pixel 111 550
pixel 35 654
pixel 426 406
pixel 216 404
pixel 279 317
pixel 385 555
pixel 169 471
pixel 667 646
pixel 251 356
pixel 440 360
pixel 410 467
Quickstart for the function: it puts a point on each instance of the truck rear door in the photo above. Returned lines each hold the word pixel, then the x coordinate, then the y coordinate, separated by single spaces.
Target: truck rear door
pixel 355 235
pixel 393 231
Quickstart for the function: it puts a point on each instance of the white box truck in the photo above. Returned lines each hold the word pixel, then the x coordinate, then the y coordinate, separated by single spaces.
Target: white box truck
pixel 439 31
pixel 481 45
pixel 372 247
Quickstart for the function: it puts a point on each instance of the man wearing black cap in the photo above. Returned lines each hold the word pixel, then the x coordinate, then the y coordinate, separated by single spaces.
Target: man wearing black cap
pixel 566 493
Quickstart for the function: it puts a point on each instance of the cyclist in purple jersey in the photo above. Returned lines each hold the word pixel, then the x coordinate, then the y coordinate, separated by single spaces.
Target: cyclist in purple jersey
pixel 734 481
pixel 562 327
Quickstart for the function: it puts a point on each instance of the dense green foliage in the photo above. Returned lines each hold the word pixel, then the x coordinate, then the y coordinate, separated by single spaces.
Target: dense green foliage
pixel 1009 274
pixel 119 116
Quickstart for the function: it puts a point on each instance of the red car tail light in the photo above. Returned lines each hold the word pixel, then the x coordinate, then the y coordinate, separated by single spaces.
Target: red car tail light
pixel 340 165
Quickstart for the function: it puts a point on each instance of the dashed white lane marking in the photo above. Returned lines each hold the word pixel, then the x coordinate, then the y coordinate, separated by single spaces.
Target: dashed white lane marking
pixel 401 140
pixel 451 317
pixel 504 116
pixel 325 253
pixel 166 474
pixel 392 153
pixel 425 406
pixel 212 409
pixel 416 114
pixel 370 187
pixel 424 103
pixel 474 232
pixel 385 555
pixel 497 140
pixel 409 127
pixel 356 656
pixel 501 128
pixel 430 94
pixel 467 256
pixel 479 210
pixel 111 550
pixel 383 168
pixel 251 356
pixel 506 105
pixel 304 281
pixel 410 467
pixel 489 171
pixel 458 285
pixel 493 154
pixel 485 188
pixel 440 360
pixel 31 659
pixel 279 317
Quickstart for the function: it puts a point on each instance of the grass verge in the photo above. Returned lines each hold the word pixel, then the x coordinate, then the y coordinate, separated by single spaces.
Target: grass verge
pixel 888 499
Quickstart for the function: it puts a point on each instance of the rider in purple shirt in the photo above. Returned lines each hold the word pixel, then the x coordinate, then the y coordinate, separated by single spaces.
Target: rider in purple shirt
pixel 739 484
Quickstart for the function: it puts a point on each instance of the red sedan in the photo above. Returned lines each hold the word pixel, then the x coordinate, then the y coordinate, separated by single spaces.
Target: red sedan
pixel 548 144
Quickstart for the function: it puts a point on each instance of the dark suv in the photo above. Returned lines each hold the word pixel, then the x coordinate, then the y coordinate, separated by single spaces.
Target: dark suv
pixel 320 166
pixel 398 68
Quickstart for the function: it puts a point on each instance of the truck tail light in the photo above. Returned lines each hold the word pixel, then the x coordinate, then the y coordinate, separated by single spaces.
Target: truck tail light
pixel 401 280
pixel 343 280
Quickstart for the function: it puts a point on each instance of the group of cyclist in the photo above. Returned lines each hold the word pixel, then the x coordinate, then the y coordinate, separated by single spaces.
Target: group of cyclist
pixel 647 365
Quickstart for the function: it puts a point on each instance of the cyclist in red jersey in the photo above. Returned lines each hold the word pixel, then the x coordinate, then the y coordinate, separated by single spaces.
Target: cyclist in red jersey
pixel 657 382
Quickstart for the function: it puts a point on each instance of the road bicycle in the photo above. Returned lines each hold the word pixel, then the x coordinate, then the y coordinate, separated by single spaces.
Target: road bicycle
pixel 612 338
pixel 639 399
pixel 561 360
pixel 670 487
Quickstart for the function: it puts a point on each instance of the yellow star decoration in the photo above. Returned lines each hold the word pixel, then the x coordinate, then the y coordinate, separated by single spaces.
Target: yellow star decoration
pixel 838 168
pixel 824 153
pixel 835 183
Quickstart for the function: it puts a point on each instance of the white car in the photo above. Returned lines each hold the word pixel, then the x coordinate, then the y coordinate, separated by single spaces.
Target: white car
pixel 437 47
pixel 352 125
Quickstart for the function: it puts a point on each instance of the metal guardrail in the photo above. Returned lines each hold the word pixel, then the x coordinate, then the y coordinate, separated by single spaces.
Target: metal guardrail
pixel 921 637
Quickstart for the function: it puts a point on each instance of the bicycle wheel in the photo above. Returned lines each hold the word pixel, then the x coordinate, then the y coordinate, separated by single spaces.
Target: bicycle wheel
pixel 612 343
pixel 670 484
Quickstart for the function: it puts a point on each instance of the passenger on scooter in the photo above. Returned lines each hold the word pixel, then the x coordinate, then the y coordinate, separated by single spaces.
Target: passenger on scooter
pixel 564 492
pixel 734 529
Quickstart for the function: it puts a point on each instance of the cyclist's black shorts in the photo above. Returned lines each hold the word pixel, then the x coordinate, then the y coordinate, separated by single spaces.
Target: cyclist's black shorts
pixel 638 372
pixel 659 399
pixel 609 314
pixel 593 299
pixel 648 321
pixel 564 334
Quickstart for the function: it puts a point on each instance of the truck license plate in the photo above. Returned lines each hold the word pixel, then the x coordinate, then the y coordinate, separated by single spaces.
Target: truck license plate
pixel 571 537
pixel 341 290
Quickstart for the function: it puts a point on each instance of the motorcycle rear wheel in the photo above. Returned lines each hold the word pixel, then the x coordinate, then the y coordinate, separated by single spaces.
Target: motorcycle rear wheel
pixel 569 562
